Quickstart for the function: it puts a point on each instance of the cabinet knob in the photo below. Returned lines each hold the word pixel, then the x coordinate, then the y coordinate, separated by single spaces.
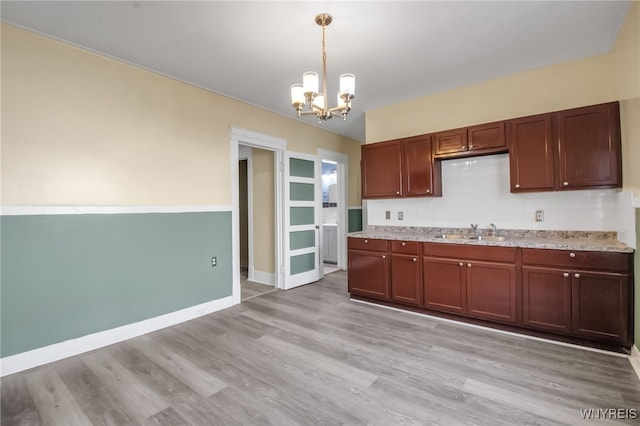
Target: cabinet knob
pixel 470 146
pixel 566 275
pixel 572 255
pixel 404 244
pixel 398 192
pixel 468 265
pixel 415 260
pixel 428 191
pixel 366 241
pixel 460 264
pixel 565 183
pixel 517 185
pixel 384 257
pixel 464 148
pixel 577 275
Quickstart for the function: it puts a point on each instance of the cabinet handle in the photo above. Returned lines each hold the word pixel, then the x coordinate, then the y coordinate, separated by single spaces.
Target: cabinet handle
pixel 577 275
pixel 384 257
pixel 572 255
pixel 464 148
pixel 428 191
pixel 566 275
pixel 404 244
pixel 565 183
pixel 398 192
pixel 366 241
pixel 517 185
pixel 470 146
pixel 415 260
pixel 468 265
pixel 460 264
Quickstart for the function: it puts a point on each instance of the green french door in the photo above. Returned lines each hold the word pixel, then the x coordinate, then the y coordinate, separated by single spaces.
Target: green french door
pixel 303 207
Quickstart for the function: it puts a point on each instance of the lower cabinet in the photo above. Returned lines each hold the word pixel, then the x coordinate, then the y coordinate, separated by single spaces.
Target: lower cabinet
pixel 368 268
pixel 582 295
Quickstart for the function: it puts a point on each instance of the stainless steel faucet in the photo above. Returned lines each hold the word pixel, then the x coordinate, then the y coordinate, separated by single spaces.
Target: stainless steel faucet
pixel 474 228
pixel 495 229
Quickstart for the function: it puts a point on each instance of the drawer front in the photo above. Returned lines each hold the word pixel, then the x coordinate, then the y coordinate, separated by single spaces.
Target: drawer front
pixel 367 244
pixel 604 261
pixel 405 247
pixel 470 252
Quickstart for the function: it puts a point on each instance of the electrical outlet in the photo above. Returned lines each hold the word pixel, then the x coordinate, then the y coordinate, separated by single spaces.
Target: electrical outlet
pixel 214 261
pixel 539 215
pixel 387 215
pixel 400 215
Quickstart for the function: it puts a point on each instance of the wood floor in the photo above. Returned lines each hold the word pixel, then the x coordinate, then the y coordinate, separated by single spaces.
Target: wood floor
pixel 310 356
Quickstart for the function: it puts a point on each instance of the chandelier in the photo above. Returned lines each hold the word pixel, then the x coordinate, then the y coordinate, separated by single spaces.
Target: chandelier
pixel 307 93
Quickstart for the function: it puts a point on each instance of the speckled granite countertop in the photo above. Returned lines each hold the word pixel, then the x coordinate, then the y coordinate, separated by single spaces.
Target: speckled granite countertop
pixel 559 240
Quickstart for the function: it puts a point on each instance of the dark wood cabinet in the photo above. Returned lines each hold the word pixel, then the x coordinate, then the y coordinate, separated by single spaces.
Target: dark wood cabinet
pixel 475 282
pixel 475 140
pixel 592 290
pixel 546 298
pixel 406 273
pixel 400 168
pixel 368 268
pixel 532 154
pixel 381 170
pixel 420 174
pixel 578 148
pixel 590 147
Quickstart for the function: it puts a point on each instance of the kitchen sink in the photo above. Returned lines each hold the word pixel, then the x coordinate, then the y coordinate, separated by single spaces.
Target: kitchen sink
pixel 470 237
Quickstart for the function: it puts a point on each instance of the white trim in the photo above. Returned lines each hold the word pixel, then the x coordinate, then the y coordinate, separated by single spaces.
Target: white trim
pixel 60 210
pixel 495 330
pixel 237 137
pixel 634 359
pixel 635 202
pixel 261 277
pixel 33 358
pixel 355 207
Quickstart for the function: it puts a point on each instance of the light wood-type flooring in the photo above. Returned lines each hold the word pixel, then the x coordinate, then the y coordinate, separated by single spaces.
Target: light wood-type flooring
pixel 310 356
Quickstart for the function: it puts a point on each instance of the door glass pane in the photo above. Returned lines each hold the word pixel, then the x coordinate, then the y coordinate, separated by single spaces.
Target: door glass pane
pixel 302 263
pixel 301 191
pixel 301 168
pixel 302 216
pixel 302 239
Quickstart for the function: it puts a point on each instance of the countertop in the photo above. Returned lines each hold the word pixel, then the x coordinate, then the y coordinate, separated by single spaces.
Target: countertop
pixel 558 240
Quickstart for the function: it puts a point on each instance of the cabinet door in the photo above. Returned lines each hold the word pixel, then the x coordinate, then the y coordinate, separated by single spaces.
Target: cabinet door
pixel 369 274
pixel 600 307
pixel 531 153
pixel 406 285
pixel 487 137
pixel 444 285
pixel 381 174
pixel 418 173
pixel 546 298
pixel 450 142
pixel 590 152
pixel 491 291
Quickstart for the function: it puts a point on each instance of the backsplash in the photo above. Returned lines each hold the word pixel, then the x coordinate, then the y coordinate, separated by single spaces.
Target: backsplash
pixel 476 190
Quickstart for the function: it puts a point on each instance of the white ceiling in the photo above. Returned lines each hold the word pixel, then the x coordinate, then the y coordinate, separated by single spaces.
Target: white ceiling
pixel 254 51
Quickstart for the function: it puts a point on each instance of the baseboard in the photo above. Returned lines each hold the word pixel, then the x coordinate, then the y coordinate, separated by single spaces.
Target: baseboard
pixel 634 358
pixel 33 358
pixel 261 277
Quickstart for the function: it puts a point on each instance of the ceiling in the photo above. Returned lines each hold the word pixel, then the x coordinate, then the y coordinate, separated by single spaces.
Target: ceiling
pixel 254 51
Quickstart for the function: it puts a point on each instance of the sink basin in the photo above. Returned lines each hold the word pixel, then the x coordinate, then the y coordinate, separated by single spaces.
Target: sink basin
pixel 470 237
pixel 453 236
pixel 487 238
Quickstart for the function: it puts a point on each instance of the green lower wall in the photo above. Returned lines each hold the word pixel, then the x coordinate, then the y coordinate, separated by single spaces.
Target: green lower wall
pixel 636 270
pixel 355 220
pixel 66 276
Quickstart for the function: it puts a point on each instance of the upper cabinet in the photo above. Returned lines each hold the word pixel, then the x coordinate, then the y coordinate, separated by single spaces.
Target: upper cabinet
pixel 470 141
pixel 573 149
pixel 400 168
pixel 590 147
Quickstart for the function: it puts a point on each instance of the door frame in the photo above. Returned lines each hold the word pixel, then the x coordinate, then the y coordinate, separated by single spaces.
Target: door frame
pixel 239 136
pixel 343 216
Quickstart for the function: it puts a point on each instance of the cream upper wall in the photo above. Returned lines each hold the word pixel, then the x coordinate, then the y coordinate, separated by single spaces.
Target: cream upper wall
pixel 83 129
pixel 264 218
pixel 602 78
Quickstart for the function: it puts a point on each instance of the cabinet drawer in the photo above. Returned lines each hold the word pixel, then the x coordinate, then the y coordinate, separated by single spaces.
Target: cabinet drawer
pixel 464 252
pixel 367 244
pixel 605 261
pixel 405 247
